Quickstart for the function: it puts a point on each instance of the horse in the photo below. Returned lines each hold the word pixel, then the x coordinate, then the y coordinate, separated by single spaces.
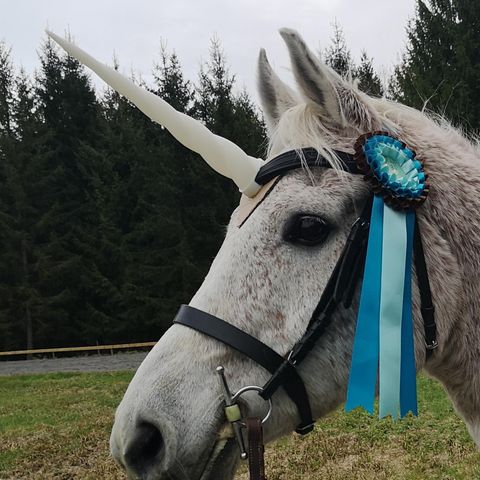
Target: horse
pixel 270 271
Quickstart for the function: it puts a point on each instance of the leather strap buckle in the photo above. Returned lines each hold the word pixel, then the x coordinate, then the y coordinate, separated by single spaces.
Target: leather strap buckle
pixel 304 429
pixel 233 413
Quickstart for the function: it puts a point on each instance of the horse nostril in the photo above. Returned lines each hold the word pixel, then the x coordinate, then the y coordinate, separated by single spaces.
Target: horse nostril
pixel 144 448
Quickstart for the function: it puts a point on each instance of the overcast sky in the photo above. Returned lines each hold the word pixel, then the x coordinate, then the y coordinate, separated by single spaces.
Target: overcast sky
pixel 135 29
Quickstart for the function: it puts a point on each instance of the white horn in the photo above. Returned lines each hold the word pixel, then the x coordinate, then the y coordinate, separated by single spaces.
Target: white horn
pixel 221 154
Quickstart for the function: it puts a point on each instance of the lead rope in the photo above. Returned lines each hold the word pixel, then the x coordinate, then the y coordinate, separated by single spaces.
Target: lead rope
pixel 256 448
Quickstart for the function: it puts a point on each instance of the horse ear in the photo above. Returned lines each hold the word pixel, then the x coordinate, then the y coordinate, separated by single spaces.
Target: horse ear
pixel 312 77
pixel 339 101
pixel 275 95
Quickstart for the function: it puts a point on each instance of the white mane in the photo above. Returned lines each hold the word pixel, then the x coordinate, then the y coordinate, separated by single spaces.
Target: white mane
pixel 304 125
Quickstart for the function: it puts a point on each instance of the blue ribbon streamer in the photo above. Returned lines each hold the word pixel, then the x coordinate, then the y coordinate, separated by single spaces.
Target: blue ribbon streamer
pixel 408 385
pixel 384 333
pixel 363 372
pixel 391 307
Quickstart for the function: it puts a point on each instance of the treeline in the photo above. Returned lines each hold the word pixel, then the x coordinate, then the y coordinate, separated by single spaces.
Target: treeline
pixel 107 224
pixel 439 69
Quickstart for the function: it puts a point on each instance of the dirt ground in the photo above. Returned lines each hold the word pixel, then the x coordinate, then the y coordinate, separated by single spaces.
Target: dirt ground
pixel 90 363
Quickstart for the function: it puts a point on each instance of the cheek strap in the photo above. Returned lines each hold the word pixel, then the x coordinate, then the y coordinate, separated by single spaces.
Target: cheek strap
pixel 284 371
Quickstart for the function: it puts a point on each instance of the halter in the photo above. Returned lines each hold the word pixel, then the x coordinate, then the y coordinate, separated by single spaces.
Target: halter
pixel 337 294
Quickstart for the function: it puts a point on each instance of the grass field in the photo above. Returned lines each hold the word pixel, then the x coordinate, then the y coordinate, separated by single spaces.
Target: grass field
pixel 57 427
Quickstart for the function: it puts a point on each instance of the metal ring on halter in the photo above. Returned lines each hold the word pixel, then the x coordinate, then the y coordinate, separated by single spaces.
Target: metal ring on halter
pixel 253 388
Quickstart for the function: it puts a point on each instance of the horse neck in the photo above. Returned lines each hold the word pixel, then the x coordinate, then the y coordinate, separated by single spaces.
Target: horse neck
pixel 450 224
pixel 451 220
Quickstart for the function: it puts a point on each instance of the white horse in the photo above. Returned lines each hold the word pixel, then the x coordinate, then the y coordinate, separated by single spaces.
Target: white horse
pixel 170 422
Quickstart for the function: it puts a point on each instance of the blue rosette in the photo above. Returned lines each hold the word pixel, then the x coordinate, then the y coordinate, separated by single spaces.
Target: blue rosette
pixel 392 169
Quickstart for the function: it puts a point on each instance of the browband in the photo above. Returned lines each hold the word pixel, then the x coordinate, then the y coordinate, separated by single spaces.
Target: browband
pixel 294 159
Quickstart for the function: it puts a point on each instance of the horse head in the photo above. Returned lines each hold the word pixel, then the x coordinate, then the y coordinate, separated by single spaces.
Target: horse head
pixel 274 264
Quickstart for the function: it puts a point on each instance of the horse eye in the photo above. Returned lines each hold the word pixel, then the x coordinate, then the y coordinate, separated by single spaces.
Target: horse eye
pixel 307 230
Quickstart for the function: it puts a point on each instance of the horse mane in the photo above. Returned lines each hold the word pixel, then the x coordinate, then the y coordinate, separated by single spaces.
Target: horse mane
pixel 303 126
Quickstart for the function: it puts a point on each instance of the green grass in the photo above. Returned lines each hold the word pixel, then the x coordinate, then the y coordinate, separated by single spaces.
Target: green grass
pixel 57 427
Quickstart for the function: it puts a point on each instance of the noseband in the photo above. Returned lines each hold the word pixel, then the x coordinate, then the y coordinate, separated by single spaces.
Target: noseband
pixel 338 294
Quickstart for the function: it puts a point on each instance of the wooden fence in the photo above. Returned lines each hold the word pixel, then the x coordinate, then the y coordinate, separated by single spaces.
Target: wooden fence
pixel 92 348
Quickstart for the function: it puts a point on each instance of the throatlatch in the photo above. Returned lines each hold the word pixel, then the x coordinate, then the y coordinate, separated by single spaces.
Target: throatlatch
pixel 381 246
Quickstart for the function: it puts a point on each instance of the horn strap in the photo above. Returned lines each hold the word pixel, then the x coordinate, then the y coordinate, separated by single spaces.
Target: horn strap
pixel 338 292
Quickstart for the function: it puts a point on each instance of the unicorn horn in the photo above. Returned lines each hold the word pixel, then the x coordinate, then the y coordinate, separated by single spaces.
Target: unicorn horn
pixel 222 155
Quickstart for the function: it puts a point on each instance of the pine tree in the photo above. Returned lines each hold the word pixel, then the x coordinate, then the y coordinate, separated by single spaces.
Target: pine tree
pixel 6 90
pixel 441 66
pixel 211 198
pixel 231 116
pixel 182 166
pixel 337 55
pixel 27 162
pixel 23 166
pixel 9 282
pixel 72 272
pixel 368 80
pixel 143 155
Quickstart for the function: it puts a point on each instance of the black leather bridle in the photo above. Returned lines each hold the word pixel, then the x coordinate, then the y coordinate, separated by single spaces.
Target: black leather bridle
pixel 338 293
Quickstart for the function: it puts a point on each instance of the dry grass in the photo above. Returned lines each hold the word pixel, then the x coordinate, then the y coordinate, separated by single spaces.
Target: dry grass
pixel 57 427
